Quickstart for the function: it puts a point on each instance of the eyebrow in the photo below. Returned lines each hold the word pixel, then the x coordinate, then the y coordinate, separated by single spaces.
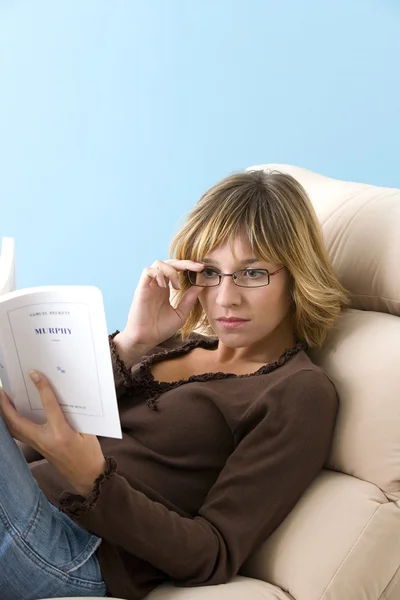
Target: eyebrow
pixel 246 261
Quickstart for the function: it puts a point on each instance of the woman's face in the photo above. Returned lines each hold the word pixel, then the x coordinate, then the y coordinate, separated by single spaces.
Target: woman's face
pixel 266 311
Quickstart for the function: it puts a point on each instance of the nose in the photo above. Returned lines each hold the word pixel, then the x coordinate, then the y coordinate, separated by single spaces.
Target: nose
pixel 228 294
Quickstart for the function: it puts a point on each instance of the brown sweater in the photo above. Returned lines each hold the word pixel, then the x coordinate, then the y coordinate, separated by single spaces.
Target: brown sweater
pixel 206 470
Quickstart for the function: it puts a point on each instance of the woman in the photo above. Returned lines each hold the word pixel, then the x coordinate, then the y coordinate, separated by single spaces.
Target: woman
pixel 222 434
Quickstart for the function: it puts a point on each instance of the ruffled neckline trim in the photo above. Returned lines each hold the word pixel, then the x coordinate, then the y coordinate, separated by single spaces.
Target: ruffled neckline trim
pixel 143 376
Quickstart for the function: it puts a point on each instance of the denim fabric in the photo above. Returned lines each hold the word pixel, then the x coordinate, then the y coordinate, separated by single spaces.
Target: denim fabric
pixel 43 553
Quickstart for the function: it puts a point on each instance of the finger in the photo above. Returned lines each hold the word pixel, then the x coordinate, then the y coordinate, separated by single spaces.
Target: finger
pixel 162 280
pixel 20 428
pixel 185 265
pixel 5 401
pixel 171 267
pixel 159 279
pixel 168 272
pixel 51 407
pixel 187 303
pixel 151 276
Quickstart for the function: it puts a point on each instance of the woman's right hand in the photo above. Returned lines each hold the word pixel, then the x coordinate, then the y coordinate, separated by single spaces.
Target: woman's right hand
pixel 152 319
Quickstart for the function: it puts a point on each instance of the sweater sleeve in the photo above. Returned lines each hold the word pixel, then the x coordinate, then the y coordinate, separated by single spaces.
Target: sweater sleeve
pixel 123 379
pixel 122 375
pixel 284 444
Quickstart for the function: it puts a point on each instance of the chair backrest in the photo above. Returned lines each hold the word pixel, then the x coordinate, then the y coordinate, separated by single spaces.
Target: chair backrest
pixel 342 541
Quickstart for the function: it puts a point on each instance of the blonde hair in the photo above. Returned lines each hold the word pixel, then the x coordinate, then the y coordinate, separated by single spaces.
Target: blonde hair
pixel 274 211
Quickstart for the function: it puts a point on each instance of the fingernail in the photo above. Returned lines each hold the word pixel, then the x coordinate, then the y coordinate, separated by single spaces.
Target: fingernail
pixel 34 375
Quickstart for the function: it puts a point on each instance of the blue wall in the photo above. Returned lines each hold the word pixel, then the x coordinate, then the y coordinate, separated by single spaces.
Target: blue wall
pixel 116 115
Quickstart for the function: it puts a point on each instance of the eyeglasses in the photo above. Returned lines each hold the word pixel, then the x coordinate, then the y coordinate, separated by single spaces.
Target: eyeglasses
pixel 244 278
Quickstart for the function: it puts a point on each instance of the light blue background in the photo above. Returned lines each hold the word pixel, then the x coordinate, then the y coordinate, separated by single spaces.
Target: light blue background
pixel 115 115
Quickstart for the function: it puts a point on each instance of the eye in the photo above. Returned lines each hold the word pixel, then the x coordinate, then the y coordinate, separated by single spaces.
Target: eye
pixel 253 274
pixel 209 273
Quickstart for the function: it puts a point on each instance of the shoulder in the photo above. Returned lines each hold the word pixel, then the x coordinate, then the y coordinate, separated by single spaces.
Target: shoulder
pixel 302 374
pixel 299 390
pixel 295 410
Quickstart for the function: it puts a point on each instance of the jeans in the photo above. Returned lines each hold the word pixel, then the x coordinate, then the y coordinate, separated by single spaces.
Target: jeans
pixel 43 553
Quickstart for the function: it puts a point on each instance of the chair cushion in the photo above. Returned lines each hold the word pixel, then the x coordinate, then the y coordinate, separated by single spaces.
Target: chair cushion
pixel 362 357
pixel 340 542
pixel 240 588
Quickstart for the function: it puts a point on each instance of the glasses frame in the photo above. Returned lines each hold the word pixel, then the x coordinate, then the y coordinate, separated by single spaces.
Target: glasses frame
pixel 221 275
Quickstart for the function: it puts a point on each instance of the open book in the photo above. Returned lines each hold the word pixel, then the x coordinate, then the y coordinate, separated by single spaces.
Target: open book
pixel 60 331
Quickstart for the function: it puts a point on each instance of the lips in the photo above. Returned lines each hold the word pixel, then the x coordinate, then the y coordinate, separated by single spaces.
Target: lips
pixel 231 323
pixel 232 320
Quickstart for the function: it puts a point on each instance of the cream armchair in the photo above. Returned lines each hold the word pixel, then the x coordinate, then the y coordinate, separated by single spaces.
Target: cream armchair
pixel 342 539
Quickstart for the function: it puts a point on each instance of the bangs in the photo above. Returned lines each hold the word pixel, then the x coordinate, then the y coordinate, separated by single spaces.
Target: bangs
pixel 201 236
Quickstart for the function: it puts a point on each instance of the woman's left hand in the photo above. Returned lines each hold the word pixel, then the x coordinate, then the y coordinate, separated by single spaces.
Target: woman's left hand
pixel 76 456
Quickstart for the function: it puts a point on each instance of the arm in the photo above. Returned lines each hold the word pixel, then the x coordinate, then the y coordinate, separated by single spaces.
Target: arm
pixel 152 318
pixel 122 372
pixel 130 354
pixel 124 357
pixel 283 446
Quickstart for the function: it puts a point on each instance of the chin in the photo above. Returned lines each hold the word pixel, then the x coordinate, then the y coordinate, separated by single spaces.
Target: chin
pixel 236 339
pixel 251 337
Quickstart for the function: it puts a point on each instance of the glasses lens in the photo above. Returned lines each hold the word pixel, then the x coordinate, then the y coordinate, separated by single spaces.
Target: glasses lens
pixel 207 278
pixel 252 278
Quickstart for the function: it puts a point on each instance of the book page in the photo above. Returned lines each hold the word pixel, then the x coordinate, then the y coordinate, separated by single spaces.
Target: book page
pixel 66 340
pixel 47 337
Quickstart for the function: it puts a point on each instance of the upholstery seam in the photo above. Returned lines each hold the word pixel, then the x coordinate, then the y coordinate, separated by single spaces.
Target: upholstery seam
pixel 383 595
pixel 350 551
pixel 357 295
